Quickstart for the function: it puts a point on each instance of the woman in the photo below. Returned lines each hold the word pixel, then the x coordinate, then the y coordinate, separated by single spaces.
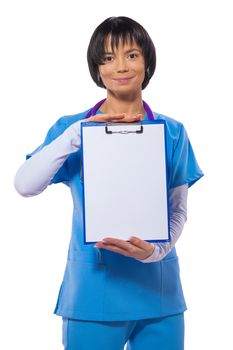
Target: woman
pixel 117 291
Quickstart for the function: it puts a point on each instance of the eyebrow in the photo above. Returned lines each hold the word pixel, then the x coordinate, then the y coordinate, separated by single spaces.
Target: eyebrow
pixel 127 51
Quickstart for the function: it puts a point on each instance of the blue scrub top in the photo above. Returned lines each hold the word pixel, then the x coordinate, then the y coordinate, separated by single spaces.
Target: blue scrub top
pixel 105 286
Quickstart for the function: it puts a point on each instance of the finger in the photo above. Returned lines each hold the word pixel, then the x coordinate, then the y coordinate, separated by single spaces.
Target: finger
pixel 142 246
pixel 118 242
pixel 129 248
pixel 113 117
pixel 126 248
pixel 113 248
pixel 115 242
pixel 134 117
pixel 138 242
pixel 131 119
pixel 100 118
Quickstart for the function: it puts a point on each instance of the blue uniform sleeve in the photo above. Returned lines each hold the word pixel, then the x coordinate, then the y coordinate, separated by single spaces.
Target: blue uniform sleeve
pixel 185 169
pixel 56 130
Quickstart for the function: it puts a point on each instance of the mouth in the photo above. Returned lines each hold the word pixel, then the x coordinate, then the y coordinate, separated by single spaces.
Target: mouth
pixel 123 80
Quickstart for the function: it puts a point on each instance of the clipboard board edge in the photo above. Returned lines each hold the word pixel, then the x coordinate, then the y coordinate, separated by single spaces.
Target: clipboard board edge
pixel 146 122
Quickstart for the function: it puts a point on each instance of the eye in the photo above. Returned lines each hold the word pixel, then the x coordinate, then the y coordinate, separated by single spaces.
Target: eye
pixel 133 55
pixel 108 58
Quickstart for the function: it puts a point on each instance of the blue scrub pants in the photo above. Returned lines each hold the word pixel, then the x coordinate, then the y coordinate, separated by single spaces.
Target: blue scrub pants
pixel 166 333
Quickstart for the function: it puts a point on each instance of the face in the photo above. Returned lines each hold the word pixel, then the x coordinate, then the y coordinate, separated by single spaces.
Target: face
pixel 123 70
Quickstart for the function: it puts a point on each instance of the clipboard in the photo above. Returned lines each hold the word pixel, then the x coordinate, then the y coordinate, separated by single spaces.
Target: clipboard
pixel 125 181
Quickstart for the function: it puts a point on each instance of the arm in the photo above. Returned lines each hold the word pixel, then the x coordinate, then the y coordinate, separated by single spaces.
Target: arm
pixel 178 216
pixel 36 173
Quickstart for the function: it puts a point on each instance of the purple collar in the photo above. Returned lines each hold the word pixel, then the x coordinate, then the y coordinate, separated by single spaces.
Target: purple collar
pixel 94 109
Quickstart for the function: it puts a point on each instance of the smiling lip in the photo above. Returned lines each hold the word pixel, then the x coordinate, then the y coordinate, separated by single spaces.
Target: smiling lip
pixel 122 80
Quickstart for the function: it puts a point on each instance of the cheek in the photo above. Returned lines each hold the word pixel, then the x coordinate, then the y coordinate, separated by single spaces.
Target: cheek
pixel 139 69
pixel 104 71
pixel 141 73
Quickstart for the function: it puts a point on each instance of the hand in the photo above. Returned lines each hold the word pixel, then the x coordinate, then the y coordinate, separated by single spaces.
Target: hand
pixel 135 248
pixel 121 117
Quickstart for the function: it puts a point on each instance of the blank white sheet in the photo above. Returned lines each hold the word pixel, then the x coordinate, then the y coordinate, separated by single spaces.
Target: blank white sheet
pixel 125 189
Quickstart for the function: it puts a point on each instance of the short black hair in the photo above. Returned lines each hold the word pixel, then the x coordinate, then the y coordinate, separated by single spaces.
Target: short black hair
pixel 125 29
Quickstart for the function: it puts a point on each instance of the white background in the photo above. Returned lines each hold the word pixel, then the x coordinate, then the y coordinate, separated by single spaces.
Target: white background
pixel 43 76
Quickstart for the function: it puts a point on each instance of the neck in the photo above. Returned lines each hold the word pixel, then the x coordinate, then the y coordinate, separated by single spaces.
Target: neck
pixel 129 106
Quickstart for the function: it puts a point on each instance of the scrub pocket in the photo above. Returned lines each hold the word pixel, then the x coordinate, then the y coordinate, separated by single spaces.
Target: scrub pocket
pixel 172 299
pixel 82 290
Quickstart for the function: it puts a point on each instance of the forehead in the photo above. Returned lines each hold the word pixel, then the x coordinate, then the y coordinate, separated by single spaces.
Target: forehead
pixel 115 43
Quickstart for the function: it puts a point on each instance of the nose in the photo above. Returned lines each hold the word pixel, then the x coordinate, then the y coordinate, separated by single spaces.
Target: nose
pixel 122 66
